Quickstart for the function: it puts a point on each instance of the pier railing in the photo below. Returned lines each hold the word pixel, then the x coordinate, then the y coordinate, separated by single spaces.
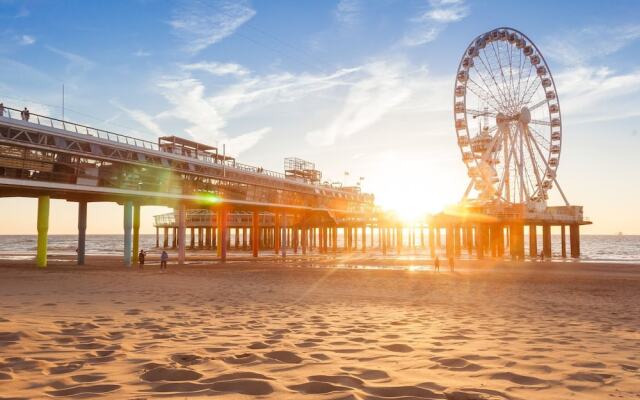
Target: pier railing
pixel 118 138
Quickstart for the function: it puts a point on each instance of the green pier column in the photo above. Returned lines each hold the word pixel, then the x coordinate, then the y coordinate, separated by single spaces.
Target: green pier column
pixel 136 233
pixel 82 230
pixel 128 224
pixel 43 229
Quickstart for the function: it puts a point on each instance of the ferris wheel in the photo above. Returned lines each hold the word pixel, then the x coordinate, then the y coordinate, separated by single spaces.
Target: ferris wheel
pixel 507 119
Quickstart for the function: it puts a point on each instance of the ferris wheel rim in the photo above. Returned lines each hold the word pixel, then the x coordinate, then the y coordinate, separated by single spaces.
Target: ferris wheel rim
pixel 555 132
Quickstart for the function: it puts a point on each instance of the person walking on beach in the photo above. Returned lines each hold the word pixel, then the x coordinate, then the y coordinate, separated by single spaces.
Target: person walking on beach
pixel 436 264
pixel 141 256
pixel 164 257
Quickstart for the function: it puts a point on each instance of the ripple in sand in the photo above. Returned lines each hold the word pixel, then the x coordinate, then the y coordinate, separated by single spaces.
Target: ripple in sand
pixel 79 390
pixel 87 378
pixel 474 394
pixel 235 376
pixel 69 367
pixel 317 388
pixel 399 348
pixel 258 346
pixel 518 379
pixel 401 392
pixel 181 387
pixel 342 380
pixel 367 374
pixel 251 387
pixel 170 375
pixel 7 338
pixel 283 356
pixel 457 364
pixel 5 376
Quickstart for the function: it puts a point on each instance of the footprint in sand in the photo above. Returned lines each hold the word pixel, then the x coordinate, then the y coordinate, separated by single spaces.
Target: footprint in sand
pixel 367 374
pixel 456 364
pixel 244 358
pixel 69 367
pixel 5 376
pixel 187 359
pixel 88 378
pixel 474 394
pixel 170 375
pixel 399 348
pixel 283 356
pixel 518 379
pixel 317 388
pixel 258 346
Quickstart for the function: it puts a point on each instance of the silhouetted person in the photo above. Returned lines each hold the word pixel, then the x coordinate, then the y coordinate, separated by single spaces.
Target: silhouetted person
pixel 436 264
pixel 2 109
pixel 141 256
pixel 25 114
pixel 164 257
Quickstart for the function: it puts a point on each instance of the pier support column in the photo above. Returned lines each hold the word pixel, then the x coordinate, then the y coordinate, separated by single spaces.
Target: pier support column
pixel 192 245
pixel 255 233
pixel 157 237
pixel 222 233
pixel 533 240
pixel 43 231
pixel 563 242
pixel 457 240
pixel 283 246
pixel 82 231
pixel 128 225
pixel 276 233
pixel 546 240
pixel 516 241
pixel 364 238
pixel 574 238
pixel 481 240
pixel 136 233
pixel 432 245
pixel 165 239
pixel 200 238
pixel 449 241
pixel 182 233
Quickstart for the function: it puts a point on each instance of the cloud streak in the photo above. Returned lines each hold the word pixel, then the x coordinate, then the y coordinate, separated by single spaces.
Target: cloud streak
pixel 200 24
pixel 428 26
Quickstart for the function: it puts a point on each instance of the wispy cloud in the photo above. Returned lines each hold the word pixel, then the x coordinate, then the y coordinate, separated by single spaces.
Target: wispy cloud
pixel 381 88
pixel 77 63
pixel 201 24
pixel 347 12
pixel 27 40
pixel 583 45
pixel 217 69
pixel 426 27
pixel 142 118
pixel 141 53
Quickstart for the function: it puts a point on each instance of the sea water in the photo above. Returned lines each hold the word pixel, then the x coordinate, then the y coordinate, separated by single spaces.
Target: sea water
pixel 611 248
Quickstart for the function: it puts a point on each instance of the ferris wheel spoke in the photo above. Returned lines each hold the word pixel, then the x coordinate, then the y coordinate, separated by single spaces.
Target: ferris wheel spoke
pixel 493 78
pixel 533 92
pixel 538 104
pixel 539 122
pixel 495 105
pixel 478 113
pixel 544 142
pixel 508 98
pixel 536 169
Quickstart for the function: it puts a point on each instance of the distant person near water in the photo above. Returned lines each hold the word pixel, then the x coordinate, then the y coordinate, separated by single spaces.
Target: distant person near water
pixel 436 264
pixel 164 257
pixel 141 257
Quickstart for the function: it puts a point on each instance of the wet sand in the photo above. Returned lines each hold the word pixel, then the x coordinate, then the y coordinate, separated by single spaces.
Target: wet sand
pixel 270 330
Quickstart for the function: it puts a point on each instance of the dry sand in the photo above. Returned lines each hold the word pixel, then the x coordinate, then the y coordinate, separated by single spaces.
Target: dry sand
pixel 529 331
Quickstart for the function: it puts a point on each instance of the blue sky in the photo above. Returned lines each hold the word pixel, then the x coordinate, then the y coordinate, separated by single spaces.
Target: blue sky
pixel 353 85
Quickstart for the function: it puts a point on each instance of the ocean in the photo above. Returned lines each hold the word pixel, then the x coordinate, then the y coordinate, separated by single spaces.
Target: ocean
pixel 610 248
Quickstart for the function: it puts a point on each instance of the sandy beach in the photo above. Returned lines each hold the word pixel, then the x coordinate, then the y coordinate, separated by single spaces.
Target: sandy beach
pixel 287 331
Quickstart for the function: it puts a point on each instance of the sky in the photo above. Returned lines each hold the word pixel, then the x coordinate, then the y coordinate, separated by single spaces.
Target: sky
pixel 356 86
